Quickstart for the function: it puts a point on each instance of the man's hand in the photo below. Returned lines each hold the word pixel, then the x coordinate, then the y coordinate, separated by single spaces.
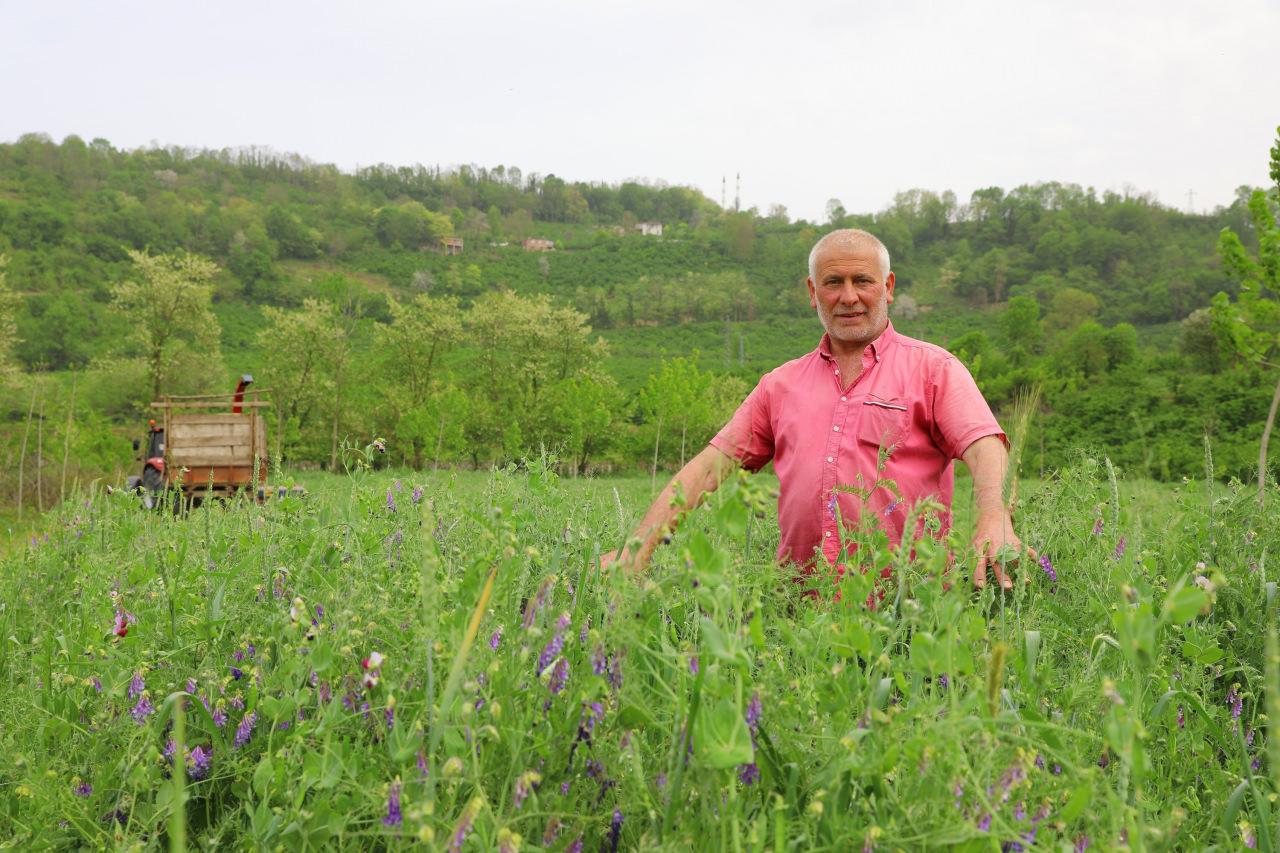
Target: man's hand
pixel 625 559
pixel 997 547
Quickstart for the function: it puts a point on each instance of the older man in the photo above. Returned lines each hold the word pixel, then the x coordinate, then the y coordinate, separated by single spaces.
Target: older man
pixel 863 427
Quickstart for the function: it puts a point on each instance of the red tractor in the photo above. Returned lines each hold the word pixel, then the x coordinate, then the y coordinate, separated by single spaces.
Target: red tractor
pixel 200 452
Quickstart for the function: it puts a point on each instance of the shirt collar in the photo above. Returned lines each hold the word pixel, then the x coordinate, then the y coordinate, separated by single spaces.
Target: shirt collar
pixel 874 350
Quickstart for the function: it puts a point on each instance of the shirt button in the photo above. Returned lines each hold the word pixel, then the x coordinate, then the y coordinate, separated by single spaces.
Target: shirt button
pixel 831 459
pixel 836 428
pixel 828 533
pixel 843 399
pixel 837 372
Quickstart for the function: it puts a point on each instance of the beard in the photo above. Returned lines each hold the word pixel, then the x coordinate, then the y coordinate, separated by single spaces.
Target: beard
pixel 869 327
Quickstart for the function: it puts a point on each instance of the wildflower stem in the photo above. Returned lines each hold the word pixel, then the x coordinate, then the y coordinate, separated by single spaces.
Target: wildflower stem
pixel 178 814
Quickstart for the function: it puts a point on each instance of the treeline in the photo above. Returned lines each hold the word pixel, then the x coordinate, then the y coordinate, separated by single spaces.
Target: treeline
pixel 328 285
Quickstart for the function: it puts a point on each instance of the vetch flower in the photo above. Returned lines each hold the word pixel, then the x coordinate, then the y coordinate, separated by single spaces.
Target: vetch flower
pixel 391 501
pixel 237 673
pixel 1048 567
pixel 495 638
pixel 463 827
pixel 120 627
pixel 1097 527
pixel 615 830
pixel 1120 546
pixel 748 774
pixel 198 763
pixel 525 785
pixel 142 710
pixel 754 709
pixel 417 495
pixel 1248 837
pixel 508 841
pixel 97 684
pixel 393 818
pixel 693 664
pixel 82 789
pixel 984 822
pixel 423 770
pixel 244 731
pixel 191 686
pixel 575 847
pixel 136 686
pixel 1182 718
pixel 559 676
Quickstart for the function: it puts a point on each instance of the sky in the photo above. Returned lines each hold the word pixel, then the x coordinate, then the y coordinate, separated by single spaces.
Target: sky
pixel 806 101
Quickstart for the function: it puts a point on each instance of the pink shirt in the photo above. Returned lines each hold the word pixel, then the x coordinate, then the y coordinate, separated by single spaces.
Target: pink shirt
pixel 914 399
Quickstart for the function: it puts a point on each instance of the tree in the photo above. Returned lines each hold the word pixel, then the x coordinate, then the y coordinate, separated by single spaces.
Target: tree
pixel 413 346
pixel 169 308
pixel 295 367
pixel 1253 321
pixel 8 323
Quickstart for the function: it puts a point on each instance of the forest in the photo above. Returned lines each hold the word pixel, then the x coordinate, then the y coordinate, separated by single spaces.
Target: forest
pixel 404 303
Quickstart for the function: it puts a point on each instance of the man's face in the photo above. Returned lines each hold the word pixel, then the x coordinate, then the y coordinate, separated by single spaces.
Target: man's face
pixel 852 294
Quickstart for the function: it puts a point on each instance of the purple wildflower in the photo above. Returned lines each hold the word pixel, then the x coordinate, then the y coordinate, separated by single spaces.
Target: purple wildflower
pixel 575 847
pixel 693 664
pixel 219 717
pixel 599 661
pixel 1020 811
pixel 238 656
pixel 1039 761
pixel 958 791
pixel 748 774
pixel 495 639
pixel 559 676
pixel 391 501
pixel 1120 546
pixel 417 495
pixel 552 651
pixel 594 769
pixel 754 709
pixel 564 787
pixel 83 789
pixel 169 749
pixel 423 771
pixel 191 686
pixel 198 763
pixel 1248 736
pixel 1082 843
pixel 244 731
pixel 463 826
pixel 136 686
pixel 1256 764
pixel 1056 770
pixel 324 693
pixel 525 785
pixel 1182 718
pixel 389 715
pixel 393 818
pixel 615 830
pixel 943 681
pixel 237 702
pixel 237 673
pixel 142 710
pixel 1236 701
pixel 1097 527
pixel 1048 568
pixel 984 822
pixel 97 684
pixel 1104 760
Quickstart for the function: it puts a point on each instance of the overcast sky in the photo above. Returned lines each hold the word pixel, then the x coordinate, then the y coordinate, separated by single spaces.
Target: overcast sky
pixel 807 100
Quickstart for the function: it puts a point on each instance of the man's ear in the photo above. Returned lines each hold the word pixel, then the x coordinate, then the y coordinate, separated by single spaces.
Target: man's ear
pixel 888 286
pixel 813 295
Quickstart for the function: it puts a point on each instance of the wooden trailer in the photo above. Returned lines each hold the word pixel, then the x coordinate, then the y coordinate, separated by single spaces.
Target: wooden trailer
pixel 214 443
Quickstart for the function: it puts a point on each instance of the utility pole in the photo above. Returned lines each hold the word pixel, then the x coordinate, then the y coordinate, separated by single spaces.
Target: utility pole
pixel 737 192
pixel 1191 201
pixel 722 190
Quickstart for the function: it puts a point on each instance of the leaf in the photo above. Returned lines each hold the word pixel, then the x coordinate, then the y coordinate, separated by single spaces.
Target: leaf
pixel 1077 803
pixel 1182 604
pixel 721 646
pixel 1233 806
pixel 262 776
pixel 721 736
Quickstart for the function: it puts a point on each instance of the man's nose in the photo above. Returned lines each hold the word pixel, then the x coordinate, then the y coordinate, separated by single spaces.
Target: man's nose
pixel 848 293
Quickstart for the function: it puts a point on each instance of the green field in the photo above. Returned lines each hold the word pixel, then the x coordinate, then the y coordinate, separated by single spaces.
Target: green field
pixel 523 700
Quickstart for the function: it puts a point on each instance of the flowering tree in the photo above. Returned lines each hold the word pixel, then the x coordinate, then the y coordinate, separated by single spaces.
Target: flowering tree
pixel 1252 323
pixel 169 307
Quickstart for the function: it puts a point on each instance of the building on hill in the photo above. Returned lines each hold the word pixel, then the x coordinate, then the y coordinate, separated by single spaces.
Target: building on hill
pixel 538 244
pixel 650 229
pixel 451 245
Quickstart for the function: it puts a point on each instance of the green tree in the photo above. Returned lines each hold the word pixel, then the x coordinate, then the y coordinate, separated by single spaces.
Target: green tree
pixel 1019 324
pixel 168 308
pixel 412 347
pixel 8 322
pixel 296 370
pixel 1252 322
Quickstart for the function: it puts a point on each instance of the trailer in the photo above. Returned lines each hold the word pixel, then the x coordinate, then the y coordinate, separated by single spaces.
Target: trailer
pixel 206 445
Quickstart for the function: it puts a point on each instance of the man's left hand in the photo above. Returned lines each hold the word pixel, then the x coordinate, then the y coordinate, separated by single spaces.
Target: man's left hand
pixel 998 548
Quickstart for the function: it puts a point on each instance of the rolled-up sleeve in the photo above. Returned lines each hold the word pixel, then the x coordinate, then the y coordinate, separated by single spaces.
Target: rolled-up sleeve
pixel 961 415
pixel 748 436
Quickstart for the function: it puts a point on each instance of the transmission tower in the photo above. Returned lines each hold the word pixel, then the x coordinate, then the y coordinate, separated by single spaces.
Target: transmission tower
pixel 737 192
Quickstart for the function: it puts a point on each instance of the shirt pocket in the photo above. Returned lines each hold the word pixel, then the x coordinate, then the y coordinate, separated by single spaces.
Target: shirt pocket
pixel 885 423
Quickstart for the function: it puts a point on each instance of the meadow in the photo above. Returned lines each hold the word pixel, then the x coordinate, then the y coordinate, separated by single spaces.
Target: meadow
pixel 405 659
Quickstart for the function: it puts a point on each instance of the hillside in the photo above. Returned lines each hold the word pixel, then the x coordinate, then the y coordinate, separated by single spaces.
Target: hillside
pixel 1099 285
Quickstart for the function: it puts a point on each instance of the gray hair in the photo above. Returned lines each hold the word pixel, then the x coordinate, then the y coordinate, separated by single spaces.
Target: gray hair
pixel 849 238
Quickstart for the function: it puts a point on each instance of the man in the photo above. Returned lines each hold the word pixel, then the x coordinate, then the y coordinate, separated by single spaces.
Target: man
pixel 868 423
